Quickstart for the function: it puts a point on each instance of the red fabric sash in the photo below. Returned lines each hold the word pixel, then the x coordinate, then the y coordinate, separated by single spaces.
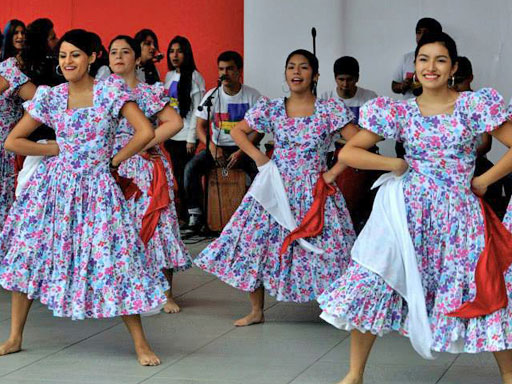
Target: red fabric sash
pixel 159 194
pixel 18 166
pixel 128 186
pixel 491 290
pixel 313 222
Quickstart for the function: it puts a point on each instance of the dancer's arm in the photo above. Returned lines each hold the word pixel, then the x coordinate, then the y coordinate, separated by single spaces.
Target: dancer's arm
pixel 171 124
pixel 504 165
pixel 355 154
pixel 244 137
pixel 144 133
pixel 26 91
pixel 348 132
pixel 17 141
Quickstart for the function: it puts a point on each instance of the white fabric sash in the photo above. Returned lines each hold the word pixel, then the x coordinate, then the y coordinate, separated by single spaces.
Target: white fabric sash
pixel 29 168
pixel 385 247
pixel 268 190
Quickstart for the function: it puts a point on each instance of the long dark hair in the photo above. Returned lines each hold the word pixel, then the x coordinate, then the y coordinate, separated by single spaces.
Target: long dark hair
pixel 101 54
pixel 442 38
pixel 8 49
pixel 187 69
pixel 38 60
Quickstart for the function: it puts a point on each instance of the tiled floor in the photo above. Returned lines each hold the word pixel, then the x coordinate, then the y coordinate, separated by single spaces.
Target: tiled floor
pixel 200 345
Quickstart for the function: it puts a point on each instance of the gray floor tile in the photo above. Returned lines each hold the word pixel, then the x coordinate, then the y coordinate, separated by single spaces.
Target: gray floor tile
pixel 330 373
pixel 389 350
pixel 201 366
pixel 471 375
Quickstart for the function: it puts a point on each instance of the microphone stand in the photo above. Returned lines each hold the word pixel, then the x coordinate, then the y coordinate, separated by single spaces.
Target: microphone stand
pixel 208 103
pixel 313 35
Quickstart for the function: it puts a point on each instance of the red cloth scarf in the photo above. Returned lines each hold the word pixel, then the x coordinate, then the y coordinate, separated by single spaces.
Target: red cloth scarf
pixel 128 186
pixel 313 222
pixel 491 290
pixel 160 200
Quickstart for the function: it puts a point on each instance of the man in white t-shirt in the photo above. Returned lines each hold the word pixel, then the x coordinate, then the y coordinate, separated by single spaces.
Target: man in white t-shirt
pixel 403 78
pixel 229 106
pixel 346 75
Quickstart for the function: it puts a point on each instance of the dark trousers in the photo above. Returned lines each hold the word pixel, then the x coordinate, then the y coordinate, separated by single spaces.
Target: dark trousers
pixel 200 165
pixel 179 157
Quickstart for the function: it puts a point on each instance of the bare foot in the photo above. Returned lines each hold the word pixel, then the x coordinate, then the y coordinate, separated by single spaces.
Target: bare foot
pixel 250 319
pixel 350 379
pixel 10 346
pixel 171 306
pixel 146 356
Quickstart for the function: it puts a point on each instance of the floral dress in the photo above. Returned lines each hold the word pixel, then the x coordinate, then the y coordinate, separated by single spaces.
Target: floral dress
pixel 445 223
pixel 11 110
pixel 165 248
pixel 69 239
pixel 246 255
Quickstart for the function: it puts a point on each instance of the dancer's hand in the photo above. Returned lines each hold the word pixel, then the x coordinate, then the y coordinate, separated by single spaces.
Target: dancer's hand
pixel 329 178
pixel 261 160
pixel 478 186
pixel 400 167
pixel 54 147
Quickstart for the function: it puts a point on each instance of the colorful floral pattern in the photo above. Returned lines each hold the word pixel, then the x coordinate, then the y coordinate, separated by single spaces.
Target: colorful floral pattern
pixel 246 255
pixel 69 238
pixel 11 110
pixel 445 223
pixel 165 249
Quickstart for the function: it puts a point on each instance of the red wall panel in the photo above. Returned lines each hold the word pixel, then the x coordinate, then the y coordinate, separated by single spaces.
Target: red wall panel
pixel 211 26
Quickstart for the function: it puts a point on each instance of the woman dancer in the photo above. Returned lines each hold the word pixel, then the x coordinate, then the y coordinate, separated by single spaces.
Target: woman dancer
pixel 14 88
pixel 158 223
pixel 247 253
pixel 440 130
pixel 69 240
pixel 186 87
pixel 14 38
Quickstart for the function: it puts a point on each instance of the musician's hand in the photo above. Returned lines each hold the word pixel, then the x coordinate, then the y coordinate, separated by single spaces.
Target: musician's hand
pixel 478 186
pixel 152 153
pixel 218 155
pixel 329 178
pixel 234 159
pixel 191 147
pixel 400 167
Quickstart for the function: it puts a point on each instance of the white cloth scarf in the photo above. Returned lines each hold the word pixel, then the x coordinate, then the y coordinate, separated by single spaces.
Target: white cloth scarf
pixel 385 247
pixel 268 190
pixel 29 168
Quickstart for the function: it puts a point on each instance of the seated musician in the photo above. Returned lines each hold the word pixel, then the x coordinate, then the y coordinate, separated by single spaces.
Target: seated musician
pixel 228 107
pixel 346 75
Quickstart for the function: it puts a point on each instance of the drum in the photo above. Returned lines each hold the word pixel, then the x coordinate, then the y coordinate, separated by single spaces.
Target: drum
pixel 226 189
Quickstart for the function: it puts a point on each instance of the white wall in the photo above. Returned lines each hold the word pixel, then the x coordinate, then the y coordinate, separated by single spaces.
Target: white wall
pixel 377 33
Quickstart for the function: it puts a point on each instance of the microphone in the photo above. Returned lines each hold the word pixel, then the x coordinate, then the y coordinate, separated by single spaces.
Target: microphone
pixel 158 57
pixel 222 78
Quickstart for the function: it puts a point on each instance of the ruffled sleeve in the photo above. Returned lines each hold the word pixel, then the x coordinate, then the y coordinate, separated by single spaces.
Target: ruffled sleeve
pixel 258 117
pixel 509 110
pixel 485 110
pixel 39 108
pixel 15 77
pixel 339 114
pixel 116 94
pixel 381 117
pixel 157 99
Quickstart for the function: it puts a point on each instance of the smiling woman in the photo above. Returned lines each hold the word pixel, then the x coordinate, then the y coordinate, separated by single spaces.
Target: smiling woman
pixel 69 239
